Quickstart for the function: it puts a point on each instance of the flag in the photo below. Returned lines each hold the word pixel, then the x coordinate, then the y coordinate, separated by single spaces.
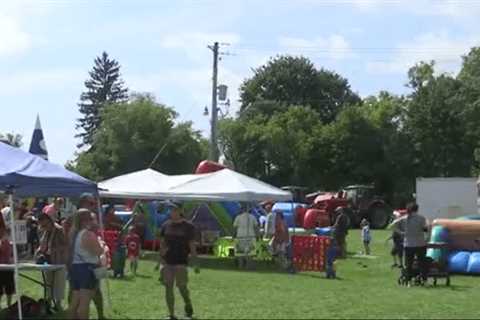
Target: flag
pixel 37 145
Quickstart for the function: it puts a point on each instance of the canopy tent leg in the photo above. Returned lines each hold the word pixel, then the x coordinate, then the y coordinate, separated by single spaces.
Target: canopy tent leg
pixel 102 233
pixel 15 254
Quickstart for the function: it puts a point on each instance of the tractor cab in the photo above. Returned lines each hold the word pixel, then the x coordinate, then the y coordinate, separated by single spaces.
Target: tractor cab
pixel 298 193
pixel 359 196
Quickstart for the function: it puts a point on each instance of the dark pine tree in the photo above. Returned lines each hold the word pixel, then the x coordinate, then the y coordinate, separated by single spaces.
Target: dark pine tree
pixel 104 87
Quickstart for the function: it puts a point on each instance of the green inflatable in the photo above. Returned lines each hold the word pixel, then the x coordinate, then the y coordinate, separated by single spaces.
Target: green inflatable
pixel 439 235
pixel 218 210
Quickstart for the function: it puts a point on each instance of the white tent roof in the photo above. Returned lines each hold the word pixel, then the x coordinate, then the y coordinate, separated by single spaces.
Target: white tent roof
pixel 143 184
pixel 229 185
pixel 223 185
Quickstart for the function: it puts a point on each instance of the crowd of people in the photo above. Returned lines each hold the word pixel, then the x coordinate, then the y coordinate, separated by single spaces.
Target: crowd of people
pixel 73 240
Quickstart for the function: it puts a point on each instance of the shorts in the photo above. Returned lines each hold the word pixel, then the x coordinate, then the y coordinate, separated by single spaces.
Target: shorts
pixel 7 283
pixel 245 247
pixel 174 273
pixel 397 250
pixel 81 276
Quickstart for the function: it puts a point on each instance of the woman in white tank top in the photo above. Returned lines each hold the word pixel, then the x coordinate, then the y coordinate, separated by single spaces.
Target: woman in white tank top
pixel 85 257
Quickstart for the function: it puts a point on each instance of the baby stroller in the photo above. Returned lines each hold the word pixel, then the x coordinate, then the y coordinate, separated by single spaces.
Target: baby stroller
pixel 416 277
pixel 433 269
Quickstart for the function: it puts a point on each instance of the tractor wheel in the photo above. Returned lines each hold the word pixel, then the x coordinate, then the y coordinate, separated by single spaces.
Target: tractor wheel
pixel 379 217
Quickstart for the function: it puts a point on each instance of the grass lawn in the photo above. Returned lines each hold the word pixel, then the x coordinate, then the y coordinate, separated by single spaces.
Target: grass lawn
pixel 367 289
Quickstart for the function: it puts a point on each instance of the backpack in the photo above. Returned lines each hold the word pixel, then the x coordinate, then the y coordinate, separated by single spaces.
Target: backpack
pixel 30 308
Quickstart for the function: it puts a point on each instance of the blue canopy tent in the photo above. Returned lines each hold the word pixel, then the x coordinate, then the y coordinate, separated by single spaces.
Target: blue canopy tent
pixel 32 176
pixel 25 175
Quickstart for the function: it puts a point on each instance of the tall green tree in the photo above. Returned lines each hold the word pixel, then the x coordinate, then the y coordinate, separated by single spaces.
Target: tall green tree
pixel 105 86
pixel 469 77
pixel 131 136
pixel 436 125
pixel 289 148
pixel 277 149
pixel 243 144
pixel 395 176
pixel 285 81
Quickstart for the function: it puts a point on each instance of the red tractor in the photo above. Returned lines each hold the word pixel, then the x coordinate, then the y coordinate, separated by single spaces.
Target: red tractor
pixel 360 202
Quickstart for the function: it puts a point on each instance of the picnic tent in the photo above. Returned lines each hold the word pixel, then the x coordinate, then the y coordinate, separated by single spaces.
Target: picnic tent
pixel 223 185
pixel 147 184
pixel 25 175
pixel 211 189
pixel 31 176
pixel 227 185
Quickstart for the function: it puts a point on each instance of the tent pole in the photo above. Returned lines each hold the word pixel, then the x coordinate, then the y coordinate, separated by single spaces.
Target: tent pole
pixel 102 234
pixel 294 218
pixel 100 217
pixel 155 229
pixel 15 254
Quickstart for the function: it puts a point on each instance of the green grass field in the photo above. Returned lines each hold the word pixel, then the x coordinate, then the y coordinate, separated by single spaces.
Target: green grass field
pixel 367 289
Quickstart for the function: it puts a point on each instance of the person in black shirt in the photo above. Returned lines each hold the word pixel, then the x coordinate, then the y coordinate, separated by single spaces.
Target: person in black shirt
pixel 176 245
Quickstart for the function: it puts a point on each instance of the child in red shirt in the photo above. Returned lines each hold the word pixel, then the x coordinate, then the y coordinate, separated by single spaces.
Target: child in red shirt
pixel 132 241
pixel 7 282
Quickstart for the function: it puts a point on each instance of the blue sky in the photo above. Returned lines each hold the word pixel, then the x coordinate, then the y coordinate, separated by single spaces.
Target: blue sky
pixel 48 46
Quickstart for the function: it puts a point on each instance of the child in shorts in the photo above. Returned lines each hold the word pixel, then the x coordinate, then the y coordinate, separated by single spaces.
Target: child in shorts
pixel 397 248
pixel 366 236
pixel 132 241
pixel 7 283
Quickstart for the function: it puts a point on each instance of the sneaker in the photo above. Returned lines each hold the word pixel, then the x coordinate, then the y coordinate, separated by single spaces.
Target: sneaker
pixel 189 311
pixel 171 318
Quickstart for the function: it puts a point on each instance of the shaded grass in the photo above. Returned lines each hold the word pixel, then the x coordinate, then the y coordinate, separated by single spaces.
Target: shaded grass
pixel 367 289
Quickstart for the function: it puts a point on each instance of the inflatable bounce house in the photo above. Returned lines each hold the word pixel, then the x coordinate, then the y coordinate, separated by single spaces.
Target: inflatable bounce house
pixel 206 216
pixel 463 238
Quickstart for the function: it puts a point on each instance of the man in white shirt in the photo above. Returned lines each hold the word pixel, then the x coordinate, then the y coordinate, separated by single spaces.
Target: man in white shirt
pixel 246 231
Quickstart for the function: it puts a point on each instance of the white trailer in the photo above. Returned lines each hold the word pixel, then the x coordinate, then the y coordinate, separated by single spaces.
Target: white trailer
pixel 446 197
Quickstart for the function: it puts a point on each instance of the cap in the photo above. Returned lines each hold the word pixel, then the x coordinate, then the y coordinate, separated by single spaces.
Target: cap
pixel 50 214
pixel 86 195
pixel 172 204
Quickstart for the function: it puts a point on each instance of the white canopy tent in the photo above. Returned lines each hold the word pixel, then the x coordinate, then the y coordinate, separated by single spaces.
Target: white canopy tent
pixel 227 185
pixel 223 185
pixel 145 184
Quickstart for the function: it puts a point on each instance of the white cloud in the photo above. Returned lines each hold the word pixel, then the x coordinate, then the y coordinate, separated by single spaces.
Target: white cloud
pixel 194 84
pixel 189 40
pixel 42 81
pixel 449 8
pixel 194 44
pixel 335 46
pixel 13 39
pixel 446 51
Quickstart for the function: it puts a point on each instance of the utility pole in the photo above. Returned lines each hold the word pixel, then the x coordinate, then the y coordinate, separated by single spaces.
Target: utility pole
pixel 213 152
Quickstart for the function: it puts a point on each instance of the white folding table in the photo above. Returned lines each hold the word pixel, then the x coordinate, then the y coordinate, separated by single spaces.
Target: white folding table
pixel 42 268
